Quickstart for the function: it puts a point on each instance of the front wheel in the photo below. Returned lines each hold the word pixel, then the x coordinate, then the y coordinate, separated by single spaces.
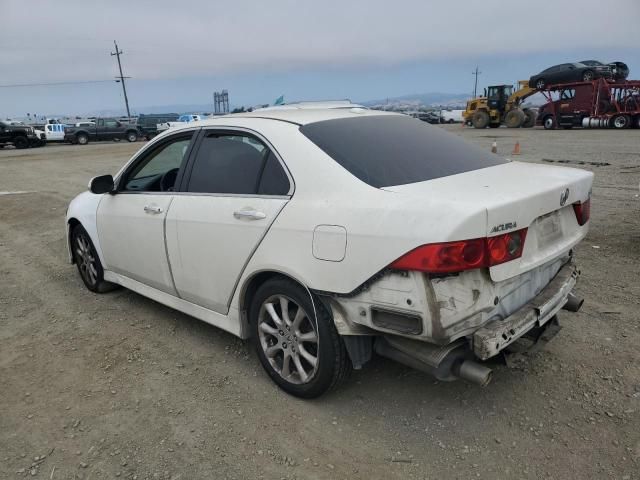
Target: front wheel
pixel 296 340
pixel 549 123
pixel 480 119
pixel 86 259
pixel 587 76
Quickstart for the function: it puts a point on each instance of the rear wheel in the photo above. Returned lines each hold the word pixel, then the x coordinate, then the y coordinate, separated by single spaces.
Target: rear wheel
pixel 296 340
pixel 82 139
pixel 132 137
pixel 86 259
pixel 514 118
pixel 21 142
pixel 480 119
pixel 587 76
pixel 620 121
pixel 549 122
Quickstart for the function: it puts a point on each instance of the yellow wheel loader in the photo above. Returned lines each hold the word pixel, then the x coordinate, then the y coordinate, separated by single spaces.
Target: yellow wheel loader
pixel 501 105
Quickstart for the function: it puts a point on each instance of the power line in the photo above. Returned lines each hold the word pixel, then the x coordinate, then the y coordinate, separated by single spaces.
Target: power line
pixel 121 77
pixel 74 82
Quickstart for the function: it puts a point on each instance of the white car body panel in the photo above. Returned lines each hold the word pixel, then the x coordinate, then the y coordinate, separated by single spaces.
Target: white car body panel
pixel 230 241
pixel 54 132
pixel 507 199
pixel 83 209
pixel 132 237
pixel 336 233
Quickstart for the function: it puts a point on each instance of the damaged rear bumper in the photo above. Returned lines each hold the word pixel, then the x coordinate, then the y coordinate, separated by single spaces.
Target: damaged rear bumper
pixel 496 335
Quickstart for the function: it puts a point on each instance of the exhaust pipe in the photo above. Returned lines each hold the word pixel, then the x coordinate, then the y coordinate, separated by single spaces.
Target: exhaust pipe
pixel 573 303
pixel 446 363
pixel 473 372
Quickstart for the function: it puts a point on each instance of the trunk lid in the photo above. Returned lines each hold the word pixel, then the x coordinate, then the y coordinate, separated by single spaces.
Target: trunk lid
pixel 517 195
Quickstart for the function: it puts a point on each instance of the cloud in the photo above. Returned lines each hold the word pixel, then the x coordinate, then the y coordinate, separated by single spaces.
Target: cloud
pixel 71 40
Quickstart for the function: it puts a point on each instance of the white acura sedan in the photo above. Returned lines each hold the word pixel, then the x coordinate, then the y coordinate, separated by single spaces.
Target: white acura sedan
pixel 326 235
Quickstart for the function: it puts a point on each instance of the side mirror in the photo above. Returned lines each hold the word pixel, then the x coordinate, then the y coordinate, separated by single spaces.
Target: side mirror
pixel 102 184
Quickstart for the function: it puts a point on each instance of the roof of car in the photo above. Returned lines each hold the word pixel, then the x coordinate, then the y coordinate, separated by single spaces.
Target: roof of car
pixel 298 116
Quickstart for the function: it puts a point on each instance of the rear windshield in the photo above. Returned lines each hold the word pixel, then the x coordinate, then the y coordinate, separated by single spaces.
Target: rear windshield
pixel 389 150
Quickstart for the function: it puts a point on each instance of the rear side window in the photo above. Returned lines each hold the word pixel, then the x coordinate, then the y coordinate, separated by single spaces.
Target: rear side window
pixel 236 164
pixel 274 181
pixel 387 150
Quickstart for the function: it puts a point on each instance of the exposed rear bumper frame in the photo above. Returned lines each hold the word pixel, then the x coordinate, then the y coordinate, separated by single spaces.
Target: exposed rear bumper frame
pixel 496 335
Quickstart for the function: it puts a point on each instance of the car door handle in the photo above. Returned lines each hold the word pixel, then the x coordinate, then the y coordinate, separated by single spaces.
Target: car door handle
pixel 152 209
pixel 249 214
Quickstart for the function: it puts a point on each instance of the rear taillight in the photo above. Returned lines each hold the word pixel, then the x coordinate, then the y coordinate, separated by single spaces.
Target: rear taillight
pixel 583 211
pixel 451 257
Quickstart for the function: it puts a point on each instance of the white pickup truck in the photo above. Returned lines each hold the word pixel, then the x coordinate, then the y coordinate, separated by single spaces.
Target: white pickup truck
pixel 182 119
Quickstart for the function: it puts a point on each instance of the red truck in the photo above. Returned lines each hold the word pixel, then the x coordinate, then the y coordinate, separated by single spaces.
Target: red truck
pixel 599 103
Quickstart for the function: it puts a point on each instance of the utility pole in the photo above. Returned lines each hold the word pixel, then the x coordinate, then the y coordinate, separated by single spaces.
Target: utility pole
pixel 121 78
pixel 475 87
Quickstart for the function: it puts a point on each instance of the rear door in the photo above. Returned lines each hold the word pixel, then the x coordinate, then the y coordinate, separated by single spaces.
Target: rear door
pixel 236 187
pixel 112 129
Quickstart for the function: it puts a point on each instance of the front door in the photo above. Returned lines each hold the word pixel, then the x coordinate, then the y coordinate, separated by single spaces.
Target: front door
pixel 236 189
pixel 131 222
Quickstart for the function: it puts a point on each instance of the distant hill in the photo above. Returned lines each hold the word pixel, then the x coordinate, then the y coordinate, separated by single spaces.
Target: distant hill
pixel 416 100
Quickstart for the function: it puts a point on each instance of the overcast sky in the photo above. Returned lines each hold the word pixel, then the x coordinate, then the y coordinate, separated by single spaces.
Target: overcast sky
pixel 181 51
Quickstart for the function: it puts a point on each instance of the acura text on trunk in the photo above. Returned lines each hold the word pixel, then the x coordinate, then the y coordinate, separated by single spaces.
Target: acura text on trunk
pixel 328 235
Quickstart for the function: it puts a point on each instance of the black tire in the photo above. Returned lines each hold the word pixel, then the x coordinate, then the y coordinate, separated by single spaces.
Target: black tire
pixel 530 118
pixel 132 137
pixel 636 122
pixel 332 362
pixel 21 142
pixel 480 119
pixel 82 139
pixel 88 262
pixel 514 118
pixel 620 121
pixel 549 122
pixel 541 83
pixel 587 76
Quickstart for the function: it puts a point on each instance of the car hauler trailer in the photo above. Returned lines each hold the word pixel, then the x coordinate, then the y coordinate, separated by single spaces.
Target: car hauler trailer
pixel 596 104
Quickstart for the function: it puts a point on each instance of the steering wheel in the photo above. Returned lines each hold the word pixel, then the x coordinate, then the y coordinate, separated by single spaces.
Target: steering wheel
pixel 168 180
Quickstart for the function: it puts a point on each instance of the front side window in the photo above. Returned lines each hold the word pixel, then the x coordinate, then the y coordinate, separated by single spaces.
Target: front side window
pixel 157 171
pixel 389 150
pixel 238 164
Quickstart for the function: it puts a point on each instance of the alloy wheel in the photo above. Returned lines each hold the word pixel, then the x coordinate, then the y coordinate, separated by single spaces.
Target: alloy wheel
pixel 289 339
pixel 86 259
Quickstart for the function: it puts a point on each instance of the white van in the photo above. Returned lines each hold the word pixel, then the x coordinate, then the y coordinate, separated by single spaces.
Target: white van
pixel 451 116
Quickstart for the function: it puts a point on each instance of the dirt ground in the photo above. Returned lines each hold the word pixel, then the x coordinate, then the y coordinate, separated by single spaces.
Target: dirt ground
pixel 117 386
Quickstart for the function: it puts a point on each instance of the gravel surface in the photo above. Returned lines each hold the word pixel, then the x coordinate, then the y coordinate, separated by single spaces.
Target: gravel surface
pixel 117 386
